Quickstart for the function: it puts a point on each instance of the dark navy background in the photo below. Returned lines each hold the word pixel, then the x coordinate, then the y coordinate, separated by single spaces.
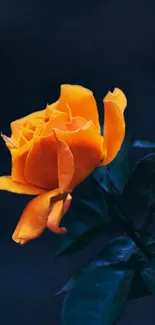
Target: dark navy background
pixel 100 45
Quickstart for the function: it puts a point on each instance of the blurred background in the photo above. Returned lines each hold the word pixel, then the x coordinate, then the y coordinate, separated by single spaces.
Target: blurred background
pixel 100 45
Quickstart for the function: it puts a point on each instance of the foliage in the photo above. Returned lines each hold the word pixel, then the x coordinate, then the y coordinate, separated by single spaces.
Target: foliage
pixel 118 201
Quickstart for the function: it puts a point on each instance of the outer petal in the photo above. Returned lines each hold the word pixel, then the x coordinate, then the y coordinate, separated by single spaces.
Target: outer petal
pixel 7 184
pixel 65 165
pixel 55 217
pixel 118 97
pixel 67 203
pixel 52 223
pixel 114 129
pixel 86 146
pixel 81 102
pixel 34 217
pixel 18 156
pixel 9 142
pixel 41 163
pixel 18 162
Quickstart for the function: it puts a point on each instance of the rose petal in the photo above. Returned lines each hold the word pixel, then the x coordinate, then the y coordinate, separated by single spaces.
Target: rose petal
pixel 76 123
pixel 65 165
pixel 9 142
pixel 86 145
pixel 7 184
pixel 55 217
pixel 118 97
pixel 15 125
pixel 114 130
pixel 68 111
pixel 34 217
pixel 58 121
pixel 41 163
pixel 51 108
pixel 67 203
pixel 18 162
pixel 81 102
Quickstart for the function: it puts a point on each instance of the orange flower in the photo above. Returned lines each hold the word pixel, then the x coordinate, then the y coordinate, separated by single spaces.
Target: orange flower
pixel 55 149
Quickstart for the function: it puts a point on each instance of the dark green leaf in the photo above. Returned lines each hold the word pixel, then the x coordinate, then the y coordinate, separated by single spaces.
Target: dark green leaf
pixel 151 241
pixel 140 190
pixel 96 205
pixel 143 144
pixel 101 176
pixel 119 169
pixel 67 287
pixel 98 294
pixel 87 190
pixel 86 238
pixel 148 275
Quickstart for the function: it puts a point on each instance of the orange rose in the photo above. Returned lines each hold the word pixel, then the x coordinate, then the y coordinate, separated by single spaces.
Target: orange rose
pixel 55 149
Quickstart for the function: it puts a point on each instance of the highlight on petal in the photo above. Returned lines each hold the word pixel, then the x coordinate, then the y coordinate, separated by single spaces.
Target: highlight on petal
pixel 67 203
pixel 65 164
pixel 86 146
pixel 35 215
pixel 81 102
pixel 114 129
pixel 7 184
pixel 118 97
pixel 68 111
pixel 55 217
